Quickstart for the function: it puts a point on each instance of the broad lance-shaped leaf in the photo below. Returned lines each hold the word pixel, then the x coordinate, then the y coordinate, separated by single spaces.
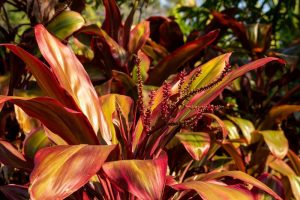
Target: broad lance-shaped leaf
pixel 205 97
pixel 10 156
pixel 216 190
pixel 61 170
pixel 196 143
pixel 277 142
pixel 295 161
pixel 113 20
pixel 280 166
pixel 277 114
pixel 243 177
pixel 109 108
pixel 72 126
pixel 44 77
pixel 65 24
pixel 15 192
pixel 246 127
pixel 138 37
pixel 70 74
pixel 180 56
pixel 143 178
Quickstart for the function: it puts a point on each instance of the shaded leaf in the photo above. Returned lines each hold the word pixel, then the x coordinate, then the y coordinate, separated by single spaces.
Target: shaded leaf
pixel 295 161
pixel 196 143
pixel 180 56
pixel 10 156
pixel 65 24
pixel 15 192
pixel 70 73
pixel 277 142
pixel 61 170
pixel 143 178
pixel 113 20
pixel 277 114
pixel 138 37
pixel 236 155
pixel 36 140
pixel 70 125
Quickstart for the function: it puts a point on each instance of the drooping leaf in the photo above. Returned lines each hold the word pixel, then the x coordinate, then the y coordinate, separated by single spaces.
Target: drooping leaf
pixel 196 143
pixel 15 192
pixel 232 131
pixel 36 140
pixel 273 182
pixel 295 161
pixel 70 74
pixel 277 114
pixel 236 155
pixel 10 156
pixel 110 105
pixel 246 127
pixel 277 142
pixel 70 125
pixel 280 166
pixel 217 190
pixel 27 124
pixel 243 177
pixel 143 178
pixel 65 24
pixel 61 170
pixel 172 62
pixel 138 37
pixel 44 77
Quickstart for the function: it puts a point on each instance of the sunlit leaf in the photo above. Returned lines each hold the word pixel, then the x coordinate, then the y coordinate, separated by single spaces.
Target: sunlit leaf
pixel 277 142
pixel 236 156
pixel 70 125
pixel 295 161
pixel 27 124
pixel 66 23
pixel 44 77
pixel 232 131
pixel 143 178
pixel 10 156
pixel 246 127
pixel 70 73
pixel 280 166
pixel 110 105
pixel 61 170
pixel 217 190
pixel 138 37
pixel 172 62
pixel 243 177
pixel 196 143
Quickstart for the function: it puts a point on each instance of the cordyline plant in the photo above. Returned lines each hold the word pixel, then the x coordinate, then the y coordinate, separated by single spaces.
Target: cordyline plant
pixel 110 147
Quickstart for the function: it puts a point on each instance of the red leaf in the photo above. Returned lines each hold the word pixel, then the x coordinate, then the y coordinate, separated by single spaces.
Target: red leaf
pixel 172 62
pixel 70 125
pixel 61 170
pixel 143 178
pixel 113 20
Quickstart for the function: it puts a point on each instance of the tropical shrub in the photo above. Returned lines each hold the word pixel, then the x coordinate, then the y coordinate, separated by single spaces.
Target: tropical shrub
pixel 158 138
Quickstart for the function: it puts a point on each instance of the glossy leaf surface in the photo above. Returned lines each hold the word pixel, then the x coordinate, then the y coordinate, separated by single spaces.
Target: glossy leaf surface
pixel 143 178
pixel 61 170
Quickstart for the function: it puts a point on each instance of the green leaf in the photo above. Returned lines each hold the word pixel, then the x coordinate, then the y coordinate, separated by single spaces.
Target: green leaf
pixel 36 140
pixel 143 178
pixel 61 170
pixel 196 143
pixel 233 132
pixel 246 127
pixel 70 73
pixel 65 24
pixel 277 142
